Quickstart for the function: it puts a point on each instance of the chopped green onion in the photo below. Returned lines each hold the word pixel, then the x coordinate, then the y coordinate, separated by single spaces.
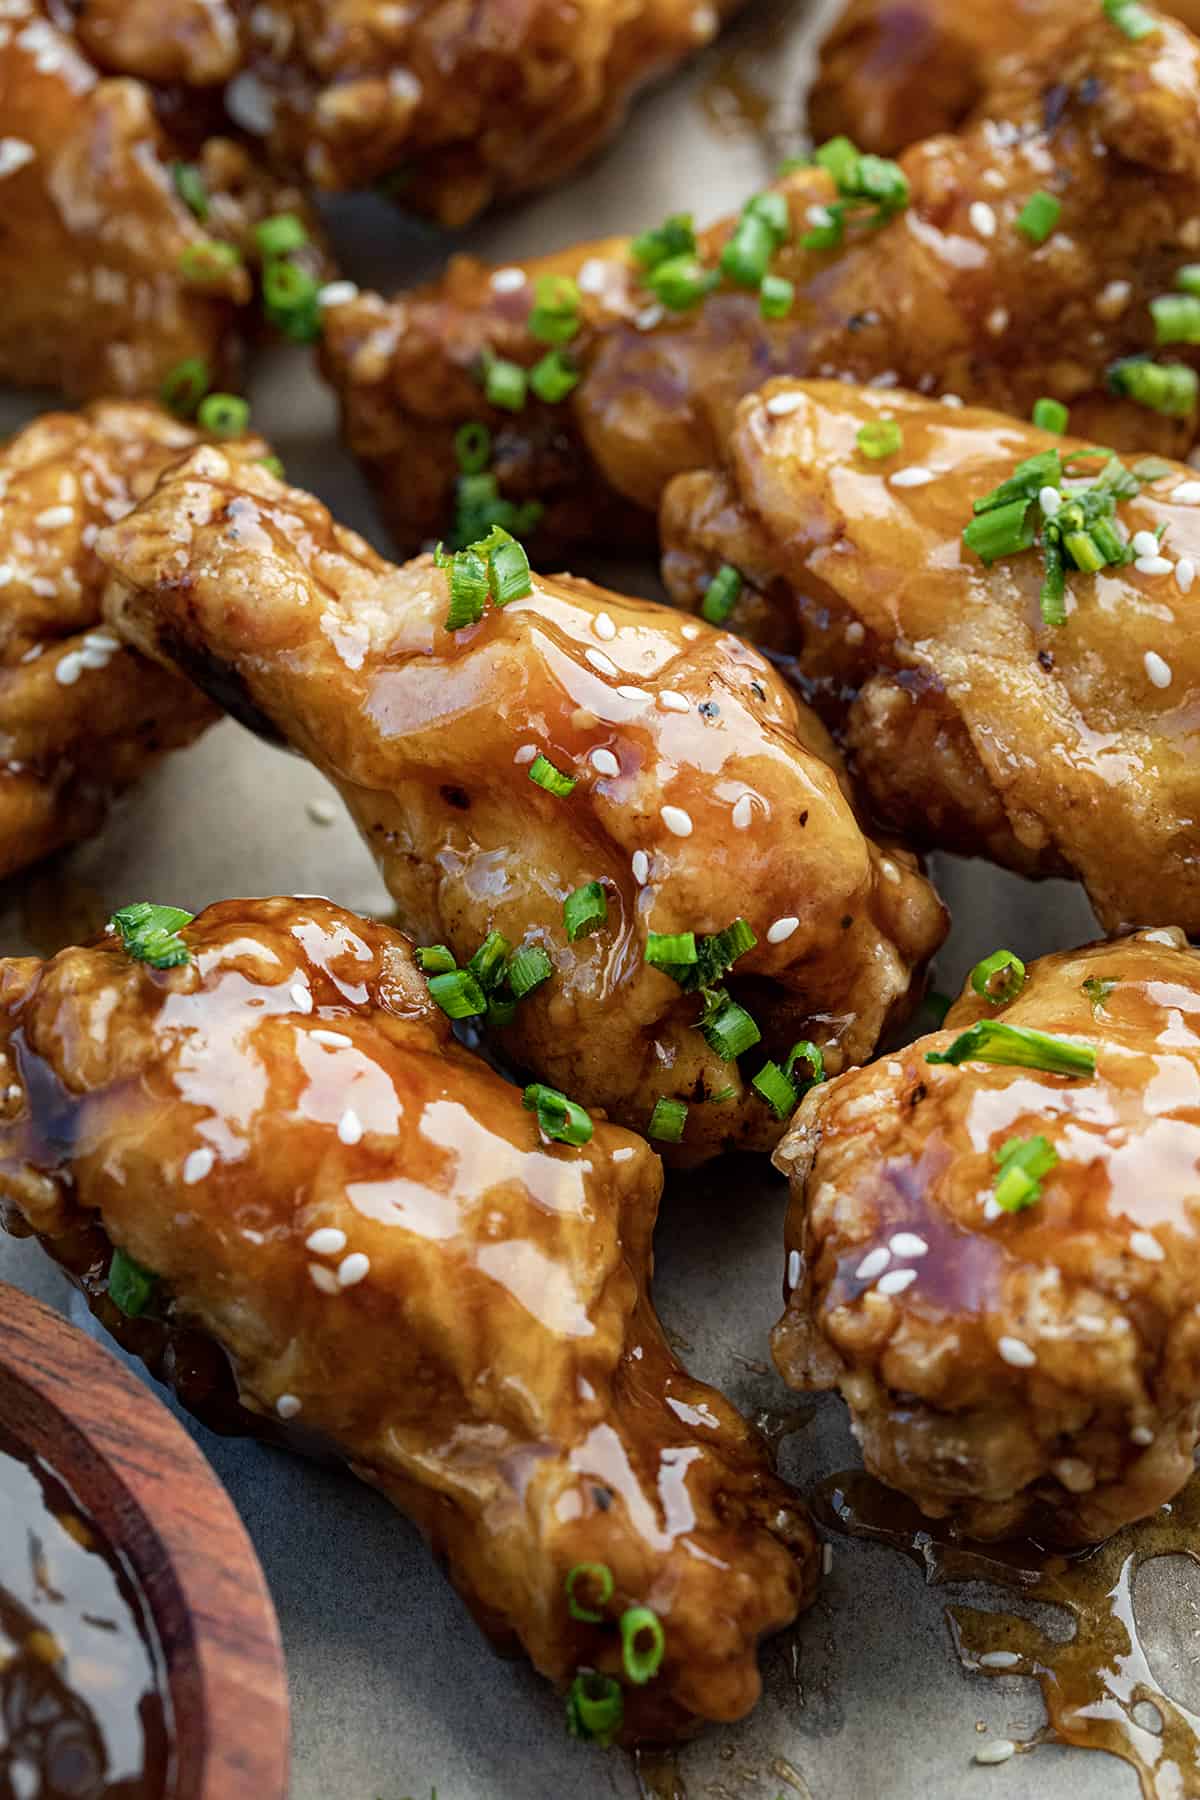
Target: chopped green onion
pixel 130 1286
pixel 558 1117
pixel 810 1053
pixel 553 377
pixel 555 316
pixel 150 933
pixel 290 300
pixel 1051 415
pixel 505 384
pixel 839 158
pixel 668 1120
pixel 1001 532
pixel 501 1010
pixel 999 978
pixel 487 964
pixel 642 1662
pixel 208 260
pixel 473 447
pixel 879 438
pixel 748 252
pixel 595 1708
pixel 225 415
pixel 435 959
pixel 775 1089
pixel 1097 991
pixel 508 567
pixel 776 295
pixel 1187 279
pixel 189 185
pixel 1152 468
pixel 279 235
pixel 1084 551
pixel 273 466
pixel 1176 318
pixel 681 282
pixel 726 1093
pixel 543 771
pixel 185 386
pixel 992 1042
pixel 469 589
pixel 1022 1163
pixel 1025 483
pixel 872 189
pixel 1053 596
pixel 883 181
pixel 1167 388
pixel 528 967
pixel 585 910
pixel 1130 18
pixel 598 1576
pixel 1039 215
pixel 721 595
pixel 458 994
pixel 674 238
pixel 828 228
pixel 670 950
pixel 772 208
pixel 727 1027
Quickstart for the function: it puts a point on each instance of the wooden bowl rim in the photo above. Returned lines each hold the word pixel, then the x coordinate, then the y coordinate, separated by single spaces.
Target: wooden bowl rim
pixel 152 1493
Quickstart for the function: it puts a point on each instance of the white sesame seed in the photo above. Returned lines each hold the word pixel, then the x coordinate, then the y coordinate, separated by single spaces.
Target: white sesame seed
pixel 604 762
pixel 337 293
pixel 321 812
pixel 873 1263
pixel 983 219
pixel 14 154
pixel 896 1280
pixel 888 869
pixel 743 812
pixel 353 1268
pixel 350 1126
pixel 1152 565
pixel 641 867
pixel 782 929
pixel 336 1040
pixel 826 1558
pixel 92 658
pixel 592 277
pixel 781 404
pixel 1113 298
pixel 678 822
pixel 507 281
pixel 913 477
pixel 1014 1352
pixel 793 1268
pixel 1186 494
pixel 6 574
pixel 1145 544
pixel 197 1164
pixel 996 1750
pixel 1147 1246
pixel 1185 574
pixel 1141 1434
pixel 992 1209
pixel 633 693
pixel 856 631
pixel 999 1659
pixel 1157 669
pixel 525 753
pixel 323 1278
pixel 673 702
pixel 603 664
pixel 622 1155
pixel 53 518
pixel 326 1240
pixel 998 321
pixel 603 626
pixel 287 1406
pixel 1049 500
pixel 68 668
pixel 690 631
pixel 649 316
pixel 952 400
pixel 300 997
pixel 907 1243
pixel 101 640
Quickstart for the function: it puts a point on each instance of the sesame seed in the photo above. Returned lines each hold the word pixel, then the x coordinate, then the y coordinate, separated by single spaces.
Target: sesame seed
pixel 68 669
pixel 101 640
pixel 93 658
pixel 592 277
pixel 603 627
pixel 914 477
pixel 287 1406
pixel 14 154
pixel 603 664
pixel 337 293
pixel 673 702
pixel 1152 565
pixel 856 631
pixel 633 693
pixel 888 869
pixel 641 867
pixel 353 1268
pixel 1049 500
pixel 676 820
pixel 983 219
pixel 998 321
pixel 873 1263
pixel 197 1164
pixel 1141 1434
pixel 300 997
pixel 54 517
pixel 1157 669
pixel 690 631
pixel 1145 544
pixel 525 753
pixel 793 1268
pixel 992 1210
pixel 896 1280
pixel 704 21
pixel 350 1126
pixel 952 400
pixel 999 1659
pixel 622 1155
pixel 6 574
pixel 1017 1354
pixel 649 316
pixel 323 1278
pixel 326 1240
pixel 781 404
pixel 336 1040
pixel 604 762
pixel 1186 494
pixel 782 929
pixel 1147 1246
pixel 743 812
pixel 996 1750
pixel 907 1243
pixel 826 1558
pixel 321 812
pixel 1185 574
pixel 507 281
pixel 1112 299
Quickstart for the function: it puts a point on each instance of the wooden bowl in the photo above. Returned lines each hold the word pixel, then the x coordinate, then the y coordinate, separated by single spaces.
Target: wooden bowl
pixel 152 1495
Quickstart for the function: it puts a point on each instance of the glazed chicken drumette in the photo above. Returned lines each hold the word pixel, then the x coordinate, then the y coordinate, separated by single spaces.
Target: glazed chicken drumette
pixel 81 716
pixel 994 1246
pixel 988 705
pixel 627 801
pixel 254 1141
pixel 1014 261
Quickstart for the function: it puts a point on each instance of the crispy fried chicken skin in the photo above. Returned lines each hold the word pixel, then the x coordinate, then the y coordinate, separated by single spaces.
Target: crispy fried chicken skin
pixel 972 724
pixel 367 1222
pixel 894 71
pixel 702 792
pixel 96 293
pixel 1034 1370
pixel 80 715
pixel 947 296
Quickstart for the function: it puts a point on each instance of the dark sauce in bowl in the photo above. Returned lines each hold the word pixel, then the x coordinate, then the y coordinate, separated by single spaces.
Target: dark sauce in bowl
pixel 84 1709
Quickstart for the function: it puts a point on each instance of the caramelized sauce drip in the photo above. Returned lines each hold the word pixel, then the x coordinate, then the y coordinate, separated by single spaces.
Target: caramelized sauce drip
pixel 84 1711
pixel 1098 1686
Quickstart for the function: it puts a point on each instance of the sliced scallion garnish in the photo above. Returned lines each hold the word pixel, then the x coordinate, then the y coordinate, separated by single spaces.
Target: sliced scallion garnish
pixel 879 438
pixel 999 978
pixel 1022 1163
pixel 599 1580
pixel 668 1120
pixel 224 415
pixel 528 967
pixel 150 933
pixel 595 1707
pixel 185 386
pixel 458 994
pixel 558 1117
pixel 727 1028
pixel 189 185
pixel 434 959
pixel 990 1041
pixel 130 1286
pixel 1051 415
pixel 721 594
pixel 585 910
pixel 1039 215
pixel 1167 388
pixel 543 772
pixel 643 1642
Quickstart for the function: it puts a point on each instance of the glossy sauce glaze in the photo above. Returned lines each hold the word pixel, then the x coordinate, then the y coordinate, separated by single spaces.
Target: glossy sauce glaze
pixel 84 1709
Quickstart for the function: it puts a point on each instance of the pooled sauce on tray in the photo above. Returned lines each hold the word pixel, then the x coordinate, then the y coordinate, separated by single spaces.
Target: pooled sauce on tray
pixel 1099 1689
pixel 84 1713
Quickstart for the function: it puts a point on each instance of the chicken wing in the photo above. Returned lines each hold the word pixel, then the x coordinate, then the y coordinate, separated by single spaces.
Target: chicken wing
pixel 128 231
pixel 972 722
pixel 996 1259
pixel 80 716
pixel 571 742
pixel 276 1146
pixel 948 295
